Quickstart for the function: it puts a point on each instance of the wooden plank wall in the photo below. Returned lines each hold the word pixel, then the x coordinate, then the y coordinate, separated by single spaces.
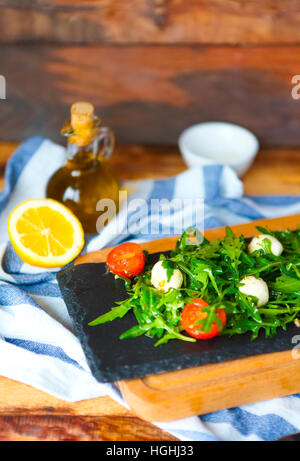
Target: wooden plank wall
pixel 151 67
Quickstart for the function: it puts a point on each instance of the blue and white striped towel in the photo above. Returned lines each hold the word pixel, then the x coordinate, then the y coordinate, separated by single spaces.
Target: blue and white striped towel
pixel 37 343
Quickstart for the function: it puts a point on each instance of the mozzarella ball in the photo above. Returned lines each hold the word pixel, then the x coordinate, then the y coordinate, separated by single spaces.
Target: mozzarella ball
pixel 160 280
pixel 256 244
pixel 255 287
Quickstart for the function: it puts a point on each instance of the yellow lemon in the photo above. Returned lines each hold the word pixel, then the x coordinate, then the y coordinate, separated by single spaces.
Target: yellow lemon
pixel 45 233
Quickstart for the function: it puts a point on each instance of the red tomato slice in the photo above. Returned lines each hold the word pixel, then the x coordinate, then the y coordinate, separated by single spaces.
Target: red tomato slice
pixel 193 312
pixel 126 259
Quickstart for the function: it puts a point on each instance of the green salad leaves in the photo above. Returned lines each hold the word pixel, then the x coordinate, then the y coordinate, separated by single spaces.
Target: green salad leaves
pixel 213 271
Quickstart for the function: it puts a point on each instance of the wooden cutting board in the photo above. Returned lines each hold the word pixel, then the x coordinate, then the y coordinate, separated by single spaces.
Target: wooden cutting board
pixel 208 388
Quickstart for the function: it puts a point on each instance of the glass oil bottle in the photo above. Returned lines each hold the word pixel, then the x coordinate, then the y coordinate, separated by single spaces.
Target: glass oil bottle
pixel 86 177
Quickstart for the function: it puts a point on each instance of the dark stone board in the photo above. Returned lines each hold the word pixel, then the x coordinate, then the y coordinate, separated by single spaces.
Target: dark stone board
pixel 89 291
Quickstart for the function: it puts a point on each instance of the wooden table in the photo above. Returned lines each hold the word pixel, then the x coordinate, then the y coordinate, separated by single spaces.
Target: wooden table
pixel 29 414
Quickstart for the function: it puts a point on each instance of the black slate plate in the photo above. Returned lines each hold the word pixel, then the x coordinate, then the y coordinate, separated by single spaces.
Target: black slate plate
pixel 89 291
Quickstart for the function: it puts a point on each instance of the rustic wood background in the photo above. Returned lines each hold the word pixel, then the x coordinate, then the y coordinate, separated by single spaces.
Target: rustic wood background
pixel 151 67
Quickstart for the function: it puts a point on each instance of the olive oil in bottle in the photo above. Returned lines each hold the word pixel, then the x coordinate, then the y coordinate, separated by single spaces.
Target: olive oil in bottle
pixel 86 177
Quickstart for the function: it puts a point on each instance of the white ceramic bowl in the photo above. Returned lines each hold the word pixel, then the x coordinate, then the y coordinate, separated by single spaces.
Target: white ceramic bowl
pixel 218 142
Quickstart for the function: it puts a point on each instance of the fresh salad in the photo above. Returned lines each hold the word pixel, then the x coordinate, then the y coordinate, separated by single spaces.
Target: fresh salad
pixel 202 289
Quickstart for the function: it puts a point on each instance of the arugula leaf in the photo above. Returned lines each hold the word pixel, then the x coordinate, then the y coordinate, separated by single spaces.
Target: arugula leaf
pixel 169 266
pixel 114 313
pixel 232 247
pixel 286 284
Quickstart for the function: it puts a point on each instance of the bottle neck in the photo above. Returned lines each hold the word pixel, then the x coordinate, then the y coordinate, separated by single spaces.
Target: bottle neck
pixel 83 154
pixel 97 142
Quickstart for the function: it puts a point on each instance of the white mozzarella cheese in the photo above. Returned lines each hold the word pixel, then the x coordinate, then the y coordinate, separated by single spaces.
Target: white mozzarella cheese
pixel 159 278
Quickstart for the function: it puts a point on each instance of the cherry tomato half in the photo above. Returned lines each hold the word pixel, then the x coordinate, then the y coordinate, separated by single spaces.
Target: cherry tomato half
pixel 193 312
pixel 126 259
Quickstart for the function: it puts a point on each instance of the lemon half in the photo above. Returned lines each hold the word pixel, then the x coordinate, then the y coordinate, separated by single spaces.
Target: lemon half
pixel 45 233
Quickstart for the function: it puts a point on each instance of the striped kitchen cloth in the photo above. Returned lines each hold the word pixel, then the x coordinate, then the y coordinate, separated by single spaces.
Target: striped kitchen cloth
pixel 37 343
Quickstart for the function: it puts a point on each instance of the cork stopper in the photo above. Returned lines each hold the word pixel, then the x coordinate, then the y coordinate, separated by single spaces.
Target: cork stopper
pixel 82 115
pixel 82 123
